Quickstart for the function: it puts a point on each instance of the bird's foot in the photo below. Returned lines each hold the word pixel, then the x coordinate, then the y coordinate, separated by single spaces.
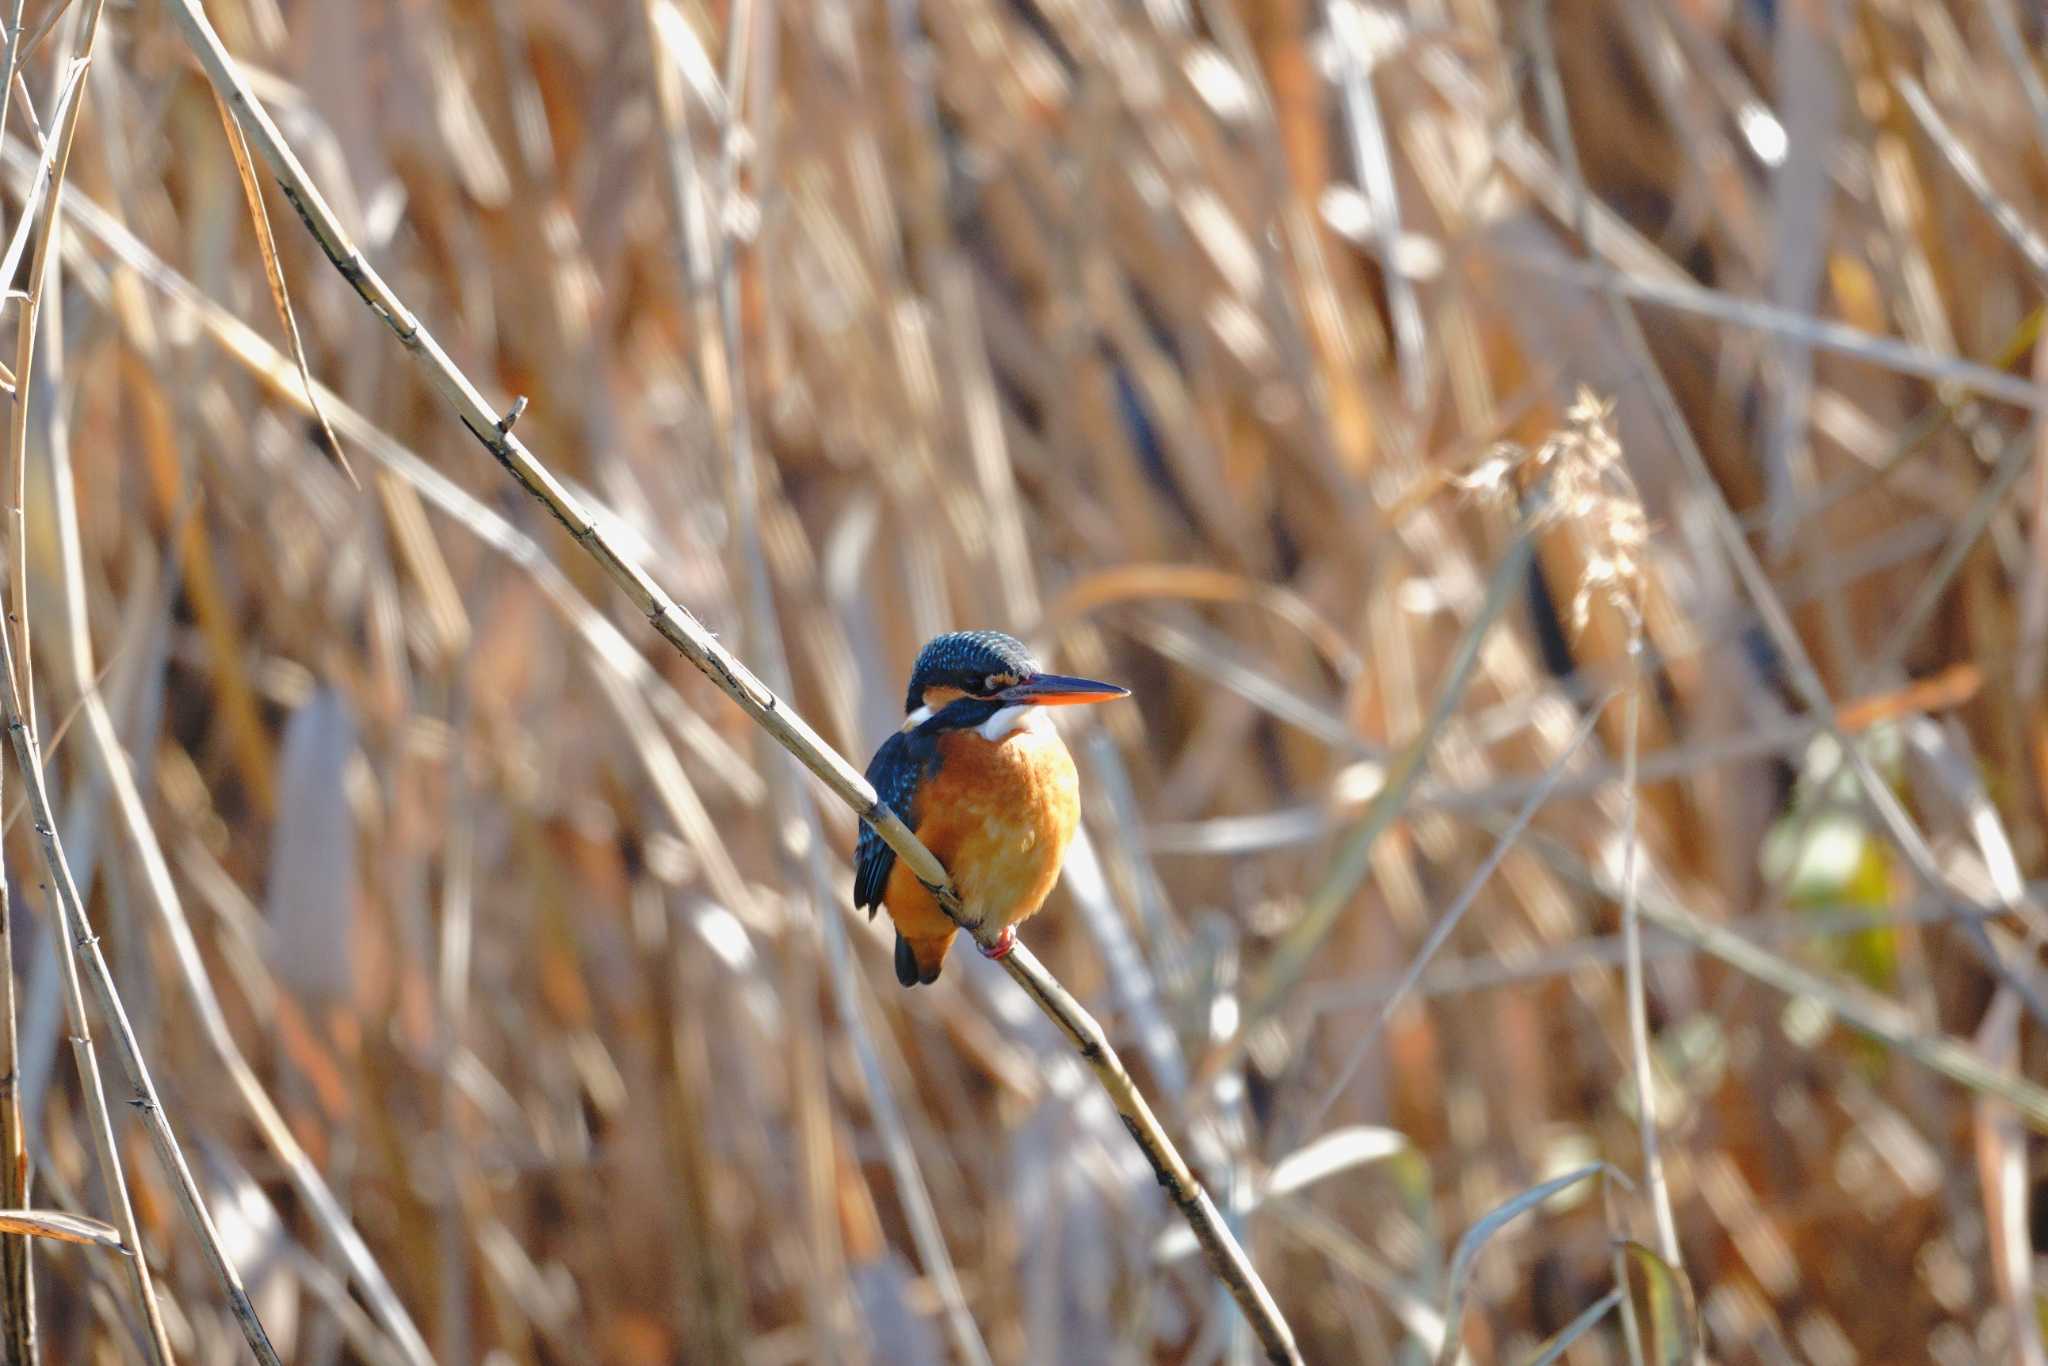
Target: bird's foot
pixel 1005 942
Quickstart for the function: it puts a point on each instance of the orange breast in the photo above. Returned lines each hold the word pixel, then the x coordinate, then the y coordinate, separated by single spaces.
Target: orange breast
pixel 998 815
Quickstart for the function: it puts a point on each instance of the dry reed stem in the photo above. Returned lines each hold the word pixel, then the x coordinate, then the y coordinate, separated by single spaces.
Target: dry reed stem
pixel 280 296
pixel 1632 948
pixel 1596 500
pixel 17 1287
pixel 1613 529
pixel 19 691
pixel 2001 1145
pixel 99 733
pixel 78 943
pixel 767 710
pixel 1885 352
pixel 17 1255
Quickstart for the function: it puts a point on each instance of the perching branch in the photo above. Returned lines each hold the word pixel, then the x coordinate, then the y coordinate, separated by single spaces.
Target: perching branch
pixel 696 644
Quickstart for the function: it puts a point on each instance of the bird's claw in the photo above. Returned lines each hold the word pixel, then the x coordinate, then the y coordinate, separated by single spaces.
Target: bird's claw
pixel 998 951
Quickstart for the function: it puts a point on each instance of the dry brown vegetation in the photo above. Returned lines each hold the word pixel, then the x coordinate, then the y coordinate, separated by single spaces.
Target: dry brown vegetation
pixel 499 977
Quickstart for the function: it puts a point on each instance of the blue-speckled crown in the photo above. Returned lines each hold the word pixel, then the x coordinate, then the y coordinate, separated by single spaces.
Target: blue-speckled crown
pixel 965 660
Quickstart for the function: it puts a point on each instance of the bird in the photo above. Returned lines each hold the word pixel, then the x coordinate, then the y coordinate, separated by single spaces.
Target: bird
pixel 980 775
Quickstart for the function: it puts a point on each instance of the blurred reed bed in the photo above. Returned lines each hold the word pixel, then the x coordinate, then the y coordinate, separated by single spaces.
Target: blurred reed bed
pixel 1196 341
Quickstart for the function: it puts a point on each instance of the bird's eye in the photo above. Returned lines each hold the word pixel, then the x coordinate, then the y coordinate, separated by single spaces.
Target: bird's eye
pixel 991 684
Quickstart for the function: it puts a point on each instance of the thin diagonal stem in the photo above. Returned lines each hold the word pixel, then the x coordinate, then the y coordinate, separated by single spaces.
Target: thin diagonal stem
pixel 1448 921
pixel 77 943
pixel 17 1254
pixel 99 729
pixel 103 747
pixel 18 689
pixel 1632 948
pixel 1353 860
pixel 1552 93
pixel 17 1286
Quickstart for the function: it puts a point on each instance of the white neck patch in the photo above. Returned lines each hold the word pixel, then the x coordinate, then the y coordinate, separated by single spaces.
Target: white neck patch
pixel 1010 720
pixel 1000 727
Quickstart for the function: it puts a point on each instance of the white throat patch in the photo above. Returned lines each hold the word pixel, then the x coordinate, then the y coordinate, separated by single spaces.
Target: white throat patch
pixel 1010 720
pixel 998 728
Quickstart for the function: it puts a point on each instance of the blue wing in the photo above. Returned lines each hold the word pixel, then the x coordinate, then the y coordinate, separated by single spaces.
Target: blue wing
pixel 897 771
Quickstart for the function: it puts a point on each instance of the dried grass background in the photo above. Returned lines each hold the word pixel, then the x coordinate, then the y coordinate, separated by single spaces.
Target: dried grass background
pixel 1176 336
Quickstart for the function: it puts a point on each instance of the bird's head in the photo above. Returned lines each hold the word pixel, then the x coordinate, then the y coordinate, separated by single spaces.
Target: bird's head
pixel 994 673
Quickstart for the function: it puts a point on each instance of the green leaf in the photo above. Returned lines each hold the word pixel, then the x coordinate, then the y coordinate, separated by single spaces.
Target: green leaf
pixel 1673 1318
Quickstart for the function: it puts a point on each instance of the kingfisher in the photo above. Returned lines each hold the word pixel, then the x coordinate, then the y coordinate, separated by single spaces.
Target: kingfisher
pixel 980 775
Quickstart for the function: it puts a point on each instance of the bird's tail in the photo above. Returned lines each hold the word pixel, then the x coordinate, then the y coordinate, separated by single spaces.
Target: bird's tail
pixel 918 960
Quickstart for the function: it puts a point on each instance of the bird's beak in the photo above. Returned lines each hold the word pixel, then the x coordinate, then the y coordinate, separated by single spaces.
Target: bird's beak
pixel 1057 690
